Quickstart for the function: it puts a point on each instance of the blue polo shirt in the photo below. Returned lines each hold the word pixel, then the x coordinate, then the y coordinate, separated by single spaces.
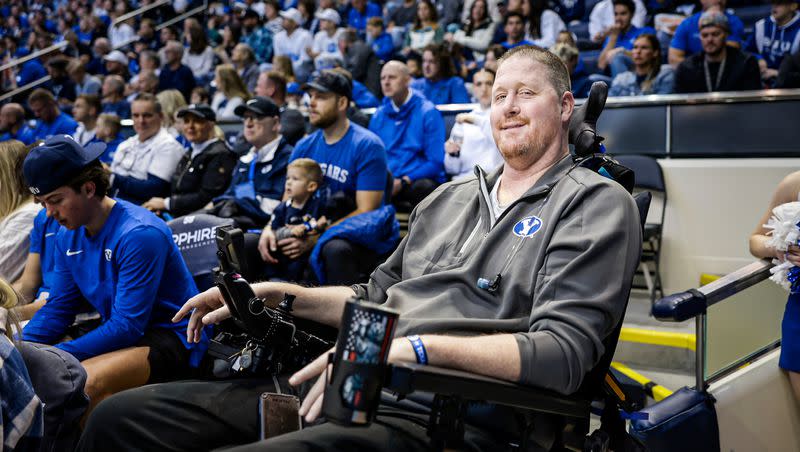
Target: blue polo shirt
pixel 687 35
pixel 626 40
pixel 357 162
pixel 131 271
pixel 445 91
pixel 24 134
pixel 62 125
pixel 43 243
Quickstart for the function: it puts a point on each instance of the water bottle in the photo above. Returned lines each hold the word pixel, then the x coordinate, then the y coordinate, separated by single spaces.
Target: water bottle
pixel 457 137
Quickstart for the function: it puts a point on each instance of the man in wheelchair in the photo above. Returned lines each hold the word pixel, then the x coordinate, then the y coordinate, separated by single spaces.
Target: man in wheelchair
pixel 519 275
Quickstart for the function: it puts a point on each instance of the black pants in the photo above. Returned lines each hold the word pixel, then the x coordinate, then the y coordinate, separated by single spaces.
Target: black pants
pixel 204 415
pixel 412 194
pixel 348 263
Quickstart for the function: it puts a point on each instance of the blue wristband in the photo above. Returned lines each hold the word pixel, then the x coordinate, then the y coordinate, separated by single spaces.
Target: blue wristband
pixel 419 349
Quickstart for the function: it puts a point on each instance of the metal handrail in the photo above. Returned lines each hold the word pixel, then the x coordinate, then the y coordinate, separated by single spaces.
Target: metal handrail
pixel 33 55
pixel 24 88
pixel 183 16
pixel 63 44
pixel 139 11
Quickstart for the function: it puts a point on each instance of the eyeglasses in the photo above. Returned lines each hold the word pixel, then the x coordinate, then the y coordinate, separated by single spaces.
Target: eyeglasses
pixel 252 118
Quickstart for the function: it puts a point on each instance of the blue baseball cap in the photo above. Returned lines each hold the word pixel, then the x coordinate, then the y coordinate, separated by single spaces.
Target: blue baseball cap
pixel 57 161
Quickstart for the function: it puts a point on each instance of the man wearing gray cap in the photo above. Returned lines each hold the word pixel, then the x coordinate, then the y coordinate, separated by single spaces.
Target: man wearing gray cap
pixel 202 173
pixel 718 67
pixel 123 261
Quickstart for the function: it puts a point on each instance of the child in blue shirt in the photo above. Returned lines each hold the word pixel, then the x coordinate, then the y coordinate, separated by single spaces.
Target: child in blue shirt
pixel 300 214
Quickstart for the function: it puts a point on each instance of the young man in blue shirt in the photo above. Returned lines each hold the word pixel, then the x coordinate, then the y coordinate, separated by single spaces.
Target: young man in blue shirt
pixel 353 163
pixel 412 131
pixel 51 120
pixel 440 84
pixel 618 45
pixel 123 261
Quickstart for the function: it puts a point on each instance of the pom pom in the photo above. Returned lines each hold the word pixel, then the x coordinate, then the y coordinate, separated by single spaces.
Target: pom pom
pixel 784 230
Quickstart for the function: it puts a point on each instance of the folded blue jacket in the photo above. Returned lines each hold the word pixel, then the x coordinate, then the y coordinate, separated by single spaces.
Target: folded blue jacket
pixel 377 230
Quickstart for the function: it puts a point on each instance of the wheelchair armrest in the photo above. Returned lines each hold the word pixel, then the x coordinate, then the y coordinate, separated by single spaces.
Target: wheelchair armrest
pixel 406 378
pixel 685 305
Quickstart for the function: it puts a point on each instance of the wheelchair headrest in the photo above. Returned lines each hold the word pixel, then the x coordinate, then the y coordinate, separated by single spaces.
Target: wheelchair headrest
pixel 583 124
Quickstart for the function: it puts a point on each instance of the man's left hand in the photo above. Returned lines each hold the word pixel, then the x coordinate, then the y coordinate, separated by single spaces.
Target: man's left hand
pixel 293 247
pixel 400 351
pixel 155 205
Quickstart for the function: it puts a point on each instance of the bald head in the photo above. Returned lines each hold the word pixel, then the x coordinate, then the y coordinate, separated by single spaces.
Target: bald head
pixel 12 117
pixel 395 78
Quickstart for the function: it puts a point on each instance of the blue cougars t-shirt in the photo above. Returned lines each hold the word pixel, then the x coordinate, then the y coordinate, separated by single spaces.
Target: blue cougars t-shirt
pixel 357 162
pixel 131 272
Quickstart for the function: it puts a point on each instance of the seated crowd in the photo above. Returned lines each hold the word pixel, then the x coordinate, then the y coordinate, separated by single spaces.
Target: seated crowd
pixel 87 235
pixel 312 179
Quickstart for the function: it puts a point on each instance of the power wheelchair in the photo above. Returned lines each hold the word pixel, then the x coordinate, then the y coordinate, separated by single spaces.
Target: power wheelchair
pixel 455 389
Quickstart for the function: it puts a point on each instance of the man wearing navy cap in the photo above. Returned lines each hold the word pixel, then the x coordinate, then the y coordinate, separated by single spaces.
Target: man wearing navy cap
pixel 353 162
pixel 260 175
pixel 123 261
pixel 204 172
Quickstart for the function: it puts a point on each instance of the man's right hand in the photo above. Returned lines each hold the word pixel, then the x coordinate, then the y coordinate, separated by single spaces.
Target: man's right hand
pixel 451 147
pixel 206 308
pixel 268 246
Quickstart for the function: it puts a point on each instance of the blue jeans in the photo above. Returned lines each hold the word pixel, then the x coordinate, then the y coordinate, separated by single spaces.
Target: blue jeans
pixel 619 64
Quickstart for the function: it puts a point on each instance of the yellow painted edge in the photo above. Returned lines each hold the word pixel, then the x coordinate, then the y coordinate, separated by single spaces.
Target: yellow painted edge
pixel 707 278
pixel 665 338
pixel 659 392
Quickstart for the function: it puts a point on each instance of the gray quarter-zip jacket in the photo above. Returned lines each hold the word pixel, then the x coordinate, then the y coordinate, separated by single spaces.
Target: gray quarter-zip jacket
pixel 563 275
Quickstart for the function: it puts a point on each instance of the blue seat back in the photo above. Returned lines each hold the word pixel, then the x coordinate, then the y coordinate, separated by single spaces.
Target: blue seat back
pixel 195 236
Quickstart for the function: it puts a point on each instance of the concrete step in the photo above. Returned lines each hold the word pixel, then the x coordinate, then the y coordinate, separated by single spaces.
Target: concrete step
pixel 649 343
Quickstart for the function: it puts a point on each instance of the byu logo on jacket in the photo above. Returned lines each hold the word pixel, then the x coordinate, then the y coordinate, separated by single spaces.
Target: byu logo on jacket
pixel 527 226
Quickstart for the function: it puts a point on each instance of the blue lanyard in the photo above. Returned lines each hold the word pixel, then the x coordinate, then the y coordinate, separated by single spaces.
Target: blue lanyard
pixel 252 170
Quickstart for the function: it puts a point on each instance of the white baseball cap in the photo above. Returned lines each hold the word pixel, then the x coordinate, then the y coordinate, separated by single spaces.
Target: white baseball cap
pixel 293 14
pixel 116 55
pixel 329 14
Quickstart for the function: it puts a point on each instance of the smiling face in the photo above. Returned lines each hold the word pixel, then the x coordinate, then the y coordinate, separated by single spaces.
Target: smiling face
pixel 197 130
pixel 527 114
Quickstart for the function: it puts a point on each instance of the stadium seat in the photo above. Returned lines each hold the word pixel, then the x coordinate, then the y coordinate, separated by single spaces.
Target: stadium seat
pixel 650 177
pixel 195 236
